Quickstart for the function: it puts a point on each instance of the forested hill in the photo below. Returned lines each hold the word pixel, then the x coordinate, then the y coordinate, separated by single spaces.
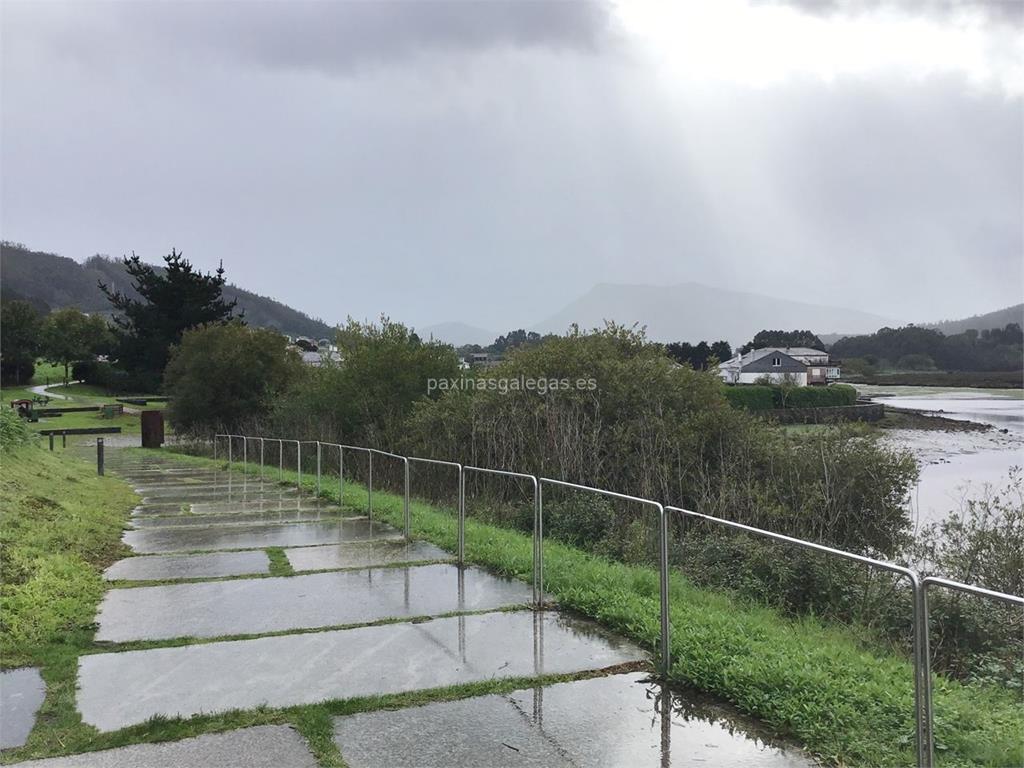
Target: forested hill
pixel 998 319
pixel 49 282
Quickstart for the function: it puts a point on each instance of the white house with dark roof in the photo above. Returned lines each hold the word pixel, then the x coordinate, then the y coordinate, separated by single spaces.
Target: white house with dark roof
pixel 801 365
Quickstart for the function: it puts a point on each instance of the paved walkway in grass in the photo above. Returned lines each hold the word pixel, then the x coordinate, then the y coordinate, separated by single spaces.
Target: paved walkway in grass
pixel 353 610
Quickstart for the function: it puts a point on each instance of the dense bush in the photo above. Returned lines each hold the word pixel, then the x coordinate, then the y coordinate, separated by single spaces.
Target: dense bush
pixel 982 543
pixel 764 397
pixel 821 397
pixel 14 431
pixel 368 398
pixel 17 371
pixel 222 375
pixel 664 432
pixel 752 397
pixel 95 373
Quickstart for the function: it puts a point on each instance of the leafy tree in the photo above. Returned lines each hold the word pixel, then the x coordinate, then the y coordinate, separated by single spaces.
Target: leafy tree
pixel 224 374
pixel 699 356
pixel 722 351
pixel 69 335
pixel 782 339
pixel 916 362
pixel 367 398
pixel 514 339
pixel 174 299
pixel 19 341
pixel 996 349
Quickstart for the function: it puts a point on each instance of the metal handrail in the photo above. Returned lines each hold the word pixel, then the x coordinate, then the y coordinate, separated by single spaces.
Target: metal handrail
pixel 461 509
pixel 958 586
pixel 538 524
pixel 666 631
pixel 298 462
pixel 922 712
pixel 369 483
pixel 405 510
pixel 924 715
pixel 341 470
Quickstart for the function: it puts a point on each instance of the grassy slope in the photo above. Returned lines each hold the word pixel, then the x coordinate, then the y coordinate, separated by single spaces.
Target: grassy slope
pixel 60 525
pixel 847 704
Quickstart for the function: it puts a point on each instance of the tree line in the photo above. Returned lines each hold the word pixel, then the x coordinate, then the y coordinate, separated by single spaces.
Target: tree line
pixel 916 348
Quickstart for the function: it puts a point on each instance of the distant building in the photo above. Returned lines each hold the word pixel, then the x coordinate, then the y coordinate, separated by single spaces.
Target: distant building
pixel 802 365
pixel 480 360
pixel 316 359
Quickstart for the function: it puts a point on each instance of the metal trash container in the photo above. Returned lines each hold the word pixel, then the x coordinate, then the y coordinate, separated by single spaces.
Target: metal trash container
pixel 152 429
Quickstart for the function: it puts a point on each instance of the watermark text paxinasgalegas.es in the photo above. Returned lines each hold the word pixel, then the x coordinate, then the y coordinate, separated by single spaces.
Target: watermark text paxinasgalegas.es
pixel 505 384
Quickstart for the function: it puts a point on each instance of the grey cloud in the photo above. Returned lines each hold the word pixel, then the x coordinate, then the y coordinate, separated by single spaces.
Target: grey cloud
pixel 495 192
pixel 337 37
pixel 1008 12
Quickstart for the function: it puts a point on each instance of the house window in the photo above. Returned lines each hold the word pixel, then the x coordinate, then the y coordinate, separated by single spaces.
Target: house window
pixel 777 361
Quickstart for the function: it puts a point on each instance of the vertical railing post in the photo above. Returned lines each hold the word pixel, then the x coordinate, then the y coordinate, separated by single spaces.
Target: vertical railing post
pixel 63 439
pixel 666 630
pixel 318 451
pixel 215 447
pixel 231 439
pixel 922 675
pixel 280 461
pixel 245 453
pixel 462 517
pixel 99 456
pixel 341 476
pixel 51 441
pixel 298 465
pixel 408 519
pixel 369 490
pixel 538 543
pixel 262 441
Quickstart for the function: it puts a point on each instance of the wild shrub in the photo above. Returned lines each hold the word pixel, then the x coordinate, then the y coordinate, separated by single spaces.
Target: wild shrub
pixel 14 432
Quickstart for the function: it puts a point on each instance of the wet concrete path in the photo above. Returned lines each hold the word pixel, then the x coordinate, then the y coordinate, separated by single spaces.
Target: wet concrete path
pixel 409 621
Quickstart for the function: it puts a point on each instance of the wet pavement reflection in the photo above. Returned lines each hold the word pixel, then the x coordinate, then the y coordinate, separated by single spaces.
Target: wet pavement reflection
pixel 618 720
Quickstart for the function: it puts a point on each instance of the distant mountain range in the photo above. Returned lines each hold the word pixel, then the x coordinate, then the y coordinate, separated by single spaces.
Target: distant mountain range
pixel 998 319
pixel 684 312
pixel 695 312
pixel 50 282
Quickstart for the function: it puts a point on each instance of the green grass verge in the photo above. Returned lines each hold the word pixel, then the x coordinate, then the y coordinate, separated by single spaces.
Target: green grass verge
pixel 130 423
pixel 810 680
pixel 60 526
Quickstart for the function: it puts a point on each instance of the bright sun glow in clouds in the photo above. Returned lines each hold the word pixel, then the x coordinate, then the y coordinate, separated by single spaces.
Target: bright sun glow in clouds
pixel 768 43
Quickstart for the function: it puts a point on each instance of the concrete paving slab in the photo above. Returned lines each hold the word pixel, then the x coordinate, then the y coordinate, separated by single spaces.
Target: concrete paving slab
pixel 264 746
pixel 285 502
pixel 122 689
pixel 609 721
pixel 158 567
pixel 259 606
pixel 21 694
pixel 214 495
pixel 362 555
pixel 242 518
pixel 293 505
pixel 159 540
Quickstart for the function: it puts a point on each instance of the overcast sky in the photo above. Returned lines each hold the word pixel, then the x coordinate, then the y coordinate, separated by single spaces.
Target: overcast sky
pixel 489 162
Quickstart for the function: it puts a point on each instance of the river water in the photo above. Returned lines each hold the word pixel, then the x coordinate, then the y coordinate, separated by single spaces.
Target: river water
pixel 955 465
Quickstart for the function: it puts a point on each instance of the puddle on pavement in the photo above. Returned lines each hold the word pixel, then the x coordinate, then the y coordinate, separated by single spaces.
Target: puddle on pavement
pixel 260 606
pixel 619 720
